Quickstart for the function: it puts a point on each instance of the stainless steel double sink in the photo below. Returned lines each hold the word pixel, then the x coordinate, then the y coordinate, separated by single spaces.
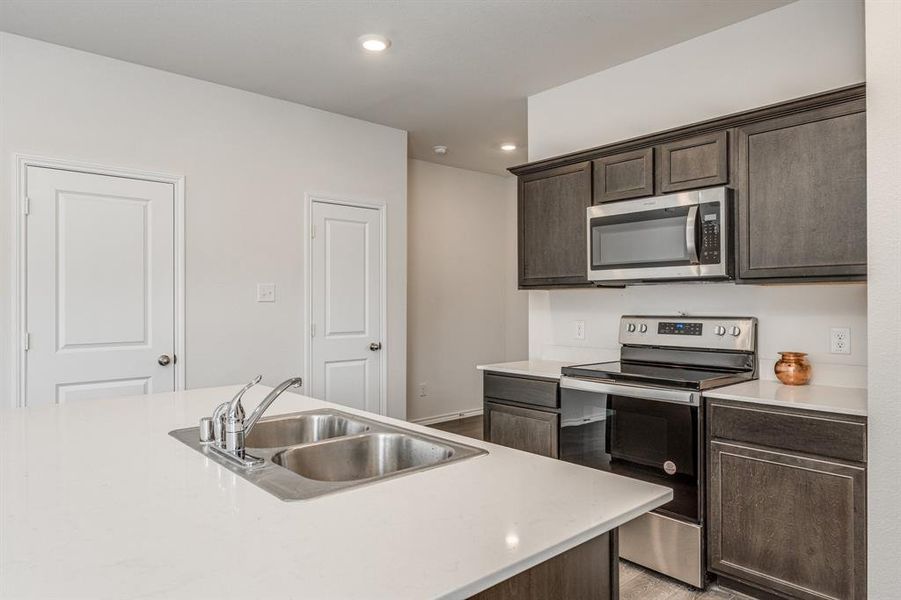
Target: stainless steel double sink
pixel 318 452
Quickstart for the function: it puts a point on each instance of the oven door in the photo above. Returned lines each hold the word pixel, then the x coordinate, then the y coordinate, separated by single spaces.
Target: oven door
pixel 646 433
pixel 680 236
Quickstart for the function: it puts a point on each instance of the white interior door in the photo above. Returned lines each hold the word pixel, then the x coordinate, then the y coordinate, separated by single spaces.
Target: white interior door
pixel 346 325
pixel 100 286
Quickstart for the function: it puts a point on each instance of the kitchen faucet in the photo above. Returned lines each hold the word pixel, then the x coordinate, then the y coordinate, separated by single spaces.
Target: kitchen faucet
pixel 227 429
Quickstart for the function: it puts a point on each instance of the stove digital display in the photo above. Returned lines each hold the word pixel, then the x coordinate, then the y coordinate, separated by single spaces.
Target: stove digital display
pixel 671 328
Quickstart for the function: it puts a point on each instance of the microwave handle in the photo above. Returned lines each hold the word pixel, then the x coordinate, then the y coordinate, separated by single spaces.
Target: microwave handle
pixel 691 234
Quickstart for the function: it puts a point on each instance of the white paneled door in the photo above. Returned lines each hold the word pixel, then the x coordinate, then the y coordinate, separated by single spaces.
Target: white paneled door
pixel 100 286
pixel 346 328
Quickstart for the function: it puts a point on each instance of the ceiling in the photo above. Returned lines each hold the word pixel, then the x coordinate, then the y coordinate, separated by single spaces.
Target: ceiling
pixel 458 72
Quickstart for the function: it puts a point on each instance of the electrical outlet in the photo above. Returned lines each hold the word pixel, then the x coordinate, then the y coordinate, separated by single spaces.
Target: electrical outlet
pixel 422 391
pixel 840 340
pixel 265 292
pixel 579 330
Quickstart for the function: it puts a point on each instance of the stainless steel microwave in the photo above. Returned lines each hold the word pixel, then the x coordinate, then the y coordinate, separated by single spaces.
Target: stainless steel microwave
pixel 684 236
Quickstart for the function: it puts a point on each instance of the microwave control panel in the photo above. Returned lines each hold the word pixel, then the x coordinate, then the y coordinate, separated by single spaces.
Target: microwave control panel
pixel 710 233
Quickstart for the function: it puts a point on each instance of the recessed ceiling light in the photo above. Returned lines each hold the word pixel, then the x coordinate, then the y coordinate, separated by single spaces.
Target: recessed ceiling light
pixel 439 149
pixel 374 43
pixel 508 147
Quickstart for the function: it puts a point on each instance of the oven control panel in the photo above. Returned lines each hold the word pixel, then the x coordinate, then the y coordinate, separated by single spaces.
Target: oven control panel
pixel 721 333
pixel 679 328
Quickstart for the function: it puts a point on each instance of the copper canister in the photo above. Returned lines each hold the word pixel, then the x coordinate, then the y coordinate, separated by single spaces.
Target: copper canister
pixel 793 368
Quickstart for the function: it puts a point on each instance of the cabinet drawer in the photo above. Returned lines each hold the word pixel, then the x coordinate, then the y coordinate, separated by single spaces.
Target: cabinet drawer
pixel 842 437
pixel 524 391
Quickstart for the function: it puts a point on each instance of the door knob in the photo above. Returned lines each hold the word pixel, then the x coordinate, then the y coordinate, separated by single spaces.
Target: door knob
pixel 374 346
pixel 164 359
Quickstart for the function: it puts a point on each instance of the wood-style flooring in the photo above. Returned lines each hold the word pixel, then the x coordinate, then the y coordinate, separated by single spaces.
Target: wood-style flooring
pixel 638 583
pixel 635 582
pixel 468 426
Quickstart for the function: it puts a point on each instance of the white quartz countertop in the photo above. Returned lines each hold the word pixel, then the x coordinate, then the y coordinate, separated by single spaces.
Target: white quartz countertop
pixel 842 400
pixel 98 501
pixel 534 368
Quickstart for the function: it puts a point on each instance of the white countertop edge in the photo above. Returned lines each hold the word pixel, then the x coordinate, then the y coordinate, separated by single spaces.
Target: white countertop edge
pixel 543 369
pixel 527 563
pixel 737 393
pixel 769 402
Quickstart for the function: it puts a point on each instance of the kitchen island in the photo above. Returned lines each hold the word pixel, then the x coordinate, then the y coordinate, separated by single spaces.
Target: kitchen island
pixel 97 500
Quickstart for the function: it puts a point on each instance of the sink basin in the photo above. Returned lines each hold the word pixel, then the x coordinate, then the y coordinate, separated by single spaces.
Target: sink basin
pixel 363 457
pixel 291 430
pixel 324 451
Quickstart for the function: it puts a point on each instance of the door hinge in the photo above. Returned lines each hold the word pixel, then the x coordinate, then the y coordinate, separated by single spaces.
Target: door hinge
pixel 313 330
pixel 312 232
pixel 26 207
pixel 26 341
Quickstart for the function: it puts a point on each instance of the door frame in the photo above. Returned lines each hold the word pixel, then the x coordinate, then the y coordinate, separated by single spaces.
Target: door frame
pixel 18 286
pixel 309 199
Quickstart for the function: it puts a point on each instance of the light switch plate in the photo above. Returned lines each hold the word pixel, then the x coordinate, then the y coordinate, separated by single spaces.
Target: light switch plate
pixel 265 292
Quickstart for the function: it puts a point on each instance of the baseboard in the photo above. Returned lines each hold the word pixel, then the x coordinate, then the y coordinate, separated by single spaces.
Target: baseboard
pixel 745 590
pixel 473 412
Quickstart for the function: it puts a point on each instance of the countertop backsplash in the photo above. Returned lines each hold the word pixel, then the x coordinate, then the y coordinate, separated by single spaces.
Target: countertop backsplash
pixel 791 318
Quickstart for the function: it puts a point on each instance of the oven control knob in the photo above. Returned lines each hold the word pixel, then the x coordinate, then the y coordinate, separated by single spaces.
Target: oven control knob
pixel 735 331
pixel 719 330
pixel 643 328
pixel 669 467
pixel 630 328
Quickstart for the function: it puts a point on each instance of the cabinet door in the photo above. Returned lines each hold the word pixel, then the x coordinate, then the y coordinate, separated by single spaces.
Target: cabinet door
pixel 802 205
pixel 624 176
pixel 791 524
pixel 552 226
pixel 697 162
pixel 533 431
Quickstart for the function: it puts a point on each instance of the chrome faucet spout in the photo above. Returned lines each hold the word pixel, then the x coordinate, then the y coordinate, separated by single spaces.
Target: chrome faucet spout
pixel 277 391
pixel 231 426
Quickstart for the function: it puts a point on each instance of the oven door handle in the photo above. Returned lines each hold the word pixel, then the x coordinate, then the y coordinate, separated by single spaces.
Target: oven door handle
pixel 631 391
pixel 691 235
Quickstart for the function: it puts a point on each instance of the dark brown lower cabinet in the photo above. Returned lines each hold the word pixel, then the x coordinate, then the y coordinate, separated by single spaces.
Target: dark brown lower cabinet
pixel 788 523
pixel 590 571
pixel 535 431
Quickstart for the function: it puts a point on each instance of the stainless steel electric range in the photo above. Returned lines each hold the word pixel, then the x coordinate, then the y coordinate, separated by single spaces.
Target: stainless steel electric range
pixel 642 417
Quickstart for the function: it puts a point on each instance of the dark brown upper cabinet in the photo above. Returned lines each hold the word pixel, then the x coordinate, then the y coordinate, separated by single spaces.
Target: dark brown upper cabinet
pixel 624 176
pixel 696 162
pixel 552 230
pixel 802 205
pixel 798 169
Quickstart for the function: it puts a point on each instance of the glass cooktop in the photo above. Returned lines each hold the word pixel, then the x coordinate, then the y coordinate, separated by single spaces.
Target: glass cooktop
pixel 657 374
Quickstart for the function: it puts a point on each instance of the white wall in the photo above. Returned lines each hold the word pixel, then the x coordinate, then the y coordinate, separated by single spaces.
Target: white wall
pixel 464 308
pixel 247 159
pixel 802 48
pixel 884 280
